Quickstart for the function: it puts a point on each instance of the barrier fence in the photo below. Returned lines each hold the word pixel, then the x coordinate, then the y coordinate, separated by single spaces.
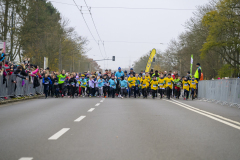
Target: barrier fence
pixel 224 91
pixel 22 87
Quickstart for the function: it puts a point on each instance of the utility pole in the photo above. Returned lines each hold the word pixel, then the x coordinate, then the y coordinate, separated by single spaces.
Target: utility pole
pixel 60 55
pixel 11 49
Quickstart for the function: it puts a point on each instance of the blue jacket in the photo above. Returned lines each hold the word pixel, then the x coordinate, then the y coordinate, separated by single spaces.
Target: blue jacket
pixel 2 57
pixel 100 83
pixel 119 74
pixel 123 83
pixel 83 81
pixel 46 80
pixel 112 83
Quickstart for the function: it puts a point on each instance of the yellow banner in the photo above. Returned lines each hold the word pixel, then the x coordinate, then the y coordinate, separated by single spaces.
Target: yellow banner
pixel 150 60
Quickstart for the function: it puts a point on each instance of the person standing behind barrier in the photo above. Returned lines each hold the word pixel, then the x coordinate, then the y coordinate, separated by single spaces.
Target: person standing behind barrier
pixel 198 74
pixel 118 75
pixel 61 80
pixel 46 82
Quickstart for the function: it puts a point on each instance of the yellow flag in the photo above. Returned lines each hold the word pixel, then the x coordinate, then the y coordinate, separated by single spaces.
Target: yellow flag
pixel 150 60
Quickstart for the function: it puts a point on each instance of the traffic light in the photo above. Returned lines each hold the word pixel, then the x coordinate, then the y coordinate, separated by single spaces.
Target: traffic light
pixel 113 58
pixel 153 59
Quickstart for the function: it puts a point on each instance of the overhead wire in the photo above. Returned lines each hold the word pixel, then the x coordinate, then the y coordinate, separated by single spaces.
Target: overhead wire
pixel 88 26
pixel 95 27
pixel 180 9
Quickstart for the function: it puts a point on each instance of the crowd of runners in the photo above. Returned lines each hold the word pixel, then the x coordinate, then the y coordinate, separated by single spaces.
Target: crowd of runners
pixel 121 84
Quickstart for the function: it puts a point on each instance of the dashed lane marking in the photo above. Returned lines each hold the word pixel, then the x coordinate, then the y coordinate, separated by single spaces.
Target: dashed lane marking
pixel 58 134
pixel 90 110
pixel 97 104
pixel 80 118
pixel 26 158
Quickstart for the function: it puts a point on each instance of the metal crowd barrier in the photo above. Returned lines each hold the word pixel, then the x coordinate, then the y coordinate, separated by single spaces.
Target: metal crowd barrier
pixel 22 87
pixel 223 91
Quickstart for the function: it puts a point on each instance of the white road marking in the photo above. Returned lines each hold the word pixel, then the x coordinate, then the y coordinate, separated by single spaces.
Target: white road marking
pixel 101 101
pixel 226 119
pixel 58 134
pixel 26 158
pixel 97 104
pixel 209 116
pixel 80 118
pixel 90 110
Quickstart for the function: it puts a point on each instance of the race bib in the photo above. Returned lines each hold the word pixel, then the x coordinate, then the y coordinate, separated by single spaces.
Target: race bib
pixel 160 84
pixel 154 85
pixel 62 79
pixel 56 83
pixel 72 83
pixel 46 82
pixel 185 84
pixel 169 83
pixel 178 84
pixel 193 83
pixel 144 85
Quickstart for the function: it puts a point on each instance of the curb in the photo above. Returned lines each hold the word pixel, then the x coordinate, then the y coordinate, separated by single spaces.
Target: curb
pixel 20 99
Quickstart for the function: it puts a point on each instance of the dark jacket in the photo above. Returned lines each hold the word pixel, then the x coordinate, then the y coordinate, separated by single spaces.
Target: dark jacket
pixel 72 81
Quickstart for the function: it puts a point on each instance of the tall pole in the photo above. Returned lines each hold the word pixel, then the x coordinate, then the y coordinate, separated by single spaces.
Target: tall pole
pixel 11 49
pixel 60 55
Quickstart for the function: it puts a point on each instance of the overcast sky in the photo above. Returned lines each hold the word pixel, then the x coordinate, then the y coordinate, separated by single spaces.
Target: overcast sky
pixel 129 25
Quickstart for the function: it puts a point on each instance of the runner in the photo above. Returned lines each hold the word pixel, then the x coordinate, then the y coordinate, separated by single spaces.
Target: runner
pixel 161 85
pixel 154 87
pixel 118 75
pixel 186 85
pixel 169 85
pixel 193 87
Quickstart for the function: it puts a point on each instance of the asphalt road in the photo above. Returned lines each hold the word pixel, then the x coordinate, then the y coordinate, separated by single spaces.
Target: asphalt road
pixel 118 129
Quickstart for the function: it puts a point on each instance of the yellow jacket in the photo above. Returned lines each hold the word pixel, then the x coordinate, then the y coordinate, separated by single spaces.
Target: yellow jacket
pixel 193 84
pixel 168 82
pixel 131 81
pixel 161 83
pixel 148 78
pixel 144 83
pixel 154 85
pixel 186 85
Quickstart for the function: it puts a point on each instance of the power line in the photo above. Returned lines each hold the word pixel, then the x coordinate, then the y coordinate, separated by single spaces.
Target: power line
pixel 133 42
pixel 96 27
pixel 183 9
pixel 87 24
pixel 142 8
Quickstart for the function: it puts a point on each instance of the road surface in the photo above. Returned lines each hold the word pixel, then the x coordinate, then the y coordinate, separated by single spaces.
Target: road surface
pixel 118 129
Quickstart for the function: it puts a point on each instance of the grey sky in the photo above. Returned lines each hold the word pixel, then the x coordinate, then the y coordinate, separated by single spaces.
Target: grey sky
pixel 156 26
